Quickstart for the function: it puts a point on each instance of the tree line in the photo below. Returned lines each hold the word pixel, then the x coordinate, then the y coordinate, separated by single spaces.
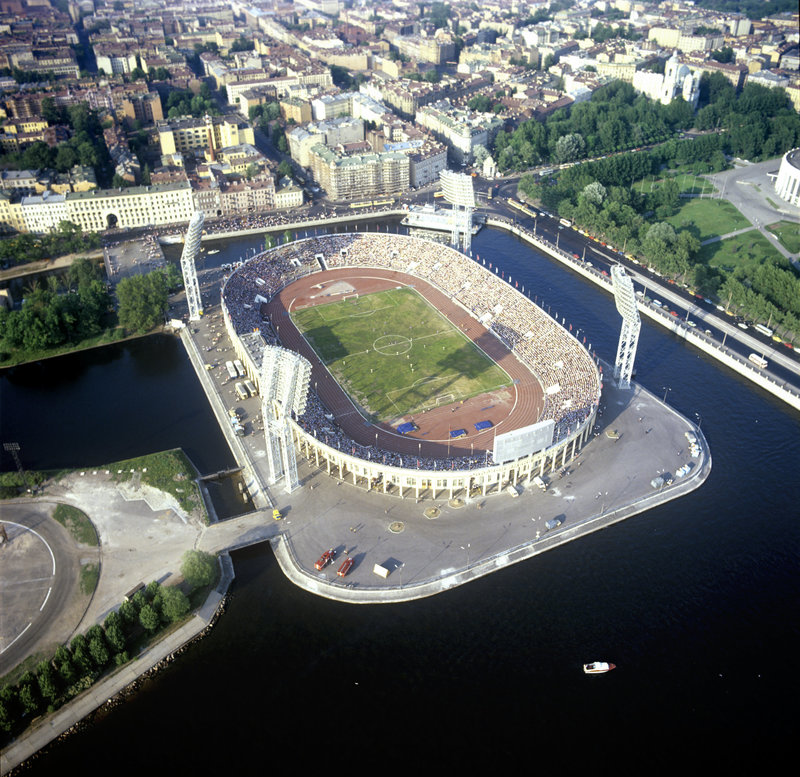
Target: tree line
pixel 75 667
pixel 68 311
pixel 58 312
pixel 67 239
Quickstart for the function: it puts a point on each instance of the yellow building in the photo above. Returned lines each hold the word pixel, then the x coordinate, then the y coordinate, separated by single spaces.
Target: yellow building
pixel 211 133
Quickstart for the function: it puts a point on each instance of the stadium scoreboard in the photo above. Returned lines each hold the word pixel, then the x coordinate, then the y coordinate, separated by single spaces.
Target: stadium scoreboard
pixel 524 441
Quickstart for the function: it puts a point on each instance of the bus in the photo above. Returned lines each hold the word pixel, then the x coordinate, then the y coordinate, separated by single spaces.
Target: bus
pixel 438 194
pixel 765 330
pixel 759 361
pixel 565 222
pixel 239 368
pixel 248 384
pixel 241 391
pixel 232 372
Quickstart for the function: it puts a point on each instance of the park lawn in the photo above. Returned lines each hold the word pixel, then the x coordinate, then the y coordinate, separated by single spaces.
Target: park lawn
pixel 788 233
pixel 688 183
pixel 707 218
pixel 395 355
pixel 746 250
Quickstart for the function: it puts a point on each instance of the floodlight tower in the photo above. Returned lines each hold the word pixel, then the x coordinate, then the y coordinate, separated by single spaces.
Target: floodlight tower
pixel 285 376
pixel 625 300
pixel 191 247
pixel 459 192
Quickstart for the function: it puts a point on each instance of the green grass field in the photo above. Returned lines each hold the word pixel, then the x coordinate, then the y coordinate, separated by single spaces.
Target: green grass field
pixel 746 250
pixel 706 218
pixel 395 354
pixel 788 233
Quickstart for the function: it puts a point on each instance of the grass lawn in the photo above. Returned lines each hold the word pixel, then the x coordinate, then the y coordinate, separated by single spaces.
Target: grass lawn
pixel 395 354
pixel 688 183
pixel 749 248
pixel 788 233
pixel 708 218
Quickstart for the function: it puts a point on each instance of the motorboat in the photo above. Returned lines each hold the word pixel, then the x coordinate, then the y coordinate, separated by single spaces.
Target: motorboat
pixel 598 667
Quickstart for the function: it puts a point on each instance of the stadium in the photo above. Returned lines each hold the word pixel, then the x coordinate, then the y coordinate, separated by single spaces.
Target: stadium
pixel 431 375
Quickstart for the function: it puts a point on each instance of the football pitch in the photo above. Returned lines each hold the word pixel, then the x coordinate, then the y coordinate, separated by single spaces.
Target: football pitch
pixel 395 354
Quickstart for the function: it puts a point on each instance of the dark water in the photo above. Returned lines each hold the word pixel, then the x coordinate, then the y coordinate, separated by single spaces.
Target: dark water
pixel 695 601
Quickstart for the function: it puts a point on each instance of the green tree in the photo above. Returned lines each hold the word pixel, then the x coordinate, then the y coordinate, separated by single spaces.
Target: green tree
pixel 115 636
pixel 9 704
pixel 29 697
pixel 149 619
pixel 142 301
pixel 174 603
pixel 198 568
pixel 128 612
pixel 48 681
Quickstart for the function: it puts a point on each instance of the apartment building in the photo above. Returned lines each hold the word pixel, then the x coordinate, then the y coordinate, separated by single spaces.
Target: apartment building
pixel 362 176
pixel 94 211
pixel 210 133
pixel 460 130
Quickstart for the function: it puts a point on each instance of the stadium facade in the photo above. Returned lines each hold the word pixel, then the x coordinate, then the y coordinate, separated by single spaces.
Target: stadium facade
pixel 568 374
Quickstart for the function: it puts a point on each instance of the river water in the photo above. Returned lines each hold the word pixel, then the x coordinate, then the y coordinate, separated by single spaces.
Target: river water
pixel 695 601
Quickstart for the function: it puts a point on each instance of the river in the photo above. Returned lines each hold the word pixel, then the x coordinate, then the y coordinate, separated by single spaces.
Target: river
pixel 696 601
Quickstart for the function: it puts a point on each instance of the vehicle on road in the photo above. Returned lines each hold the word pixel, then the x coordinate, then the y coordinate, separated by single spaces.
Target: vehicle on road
pixel 759 361
pixel 324 559
pixel 345 567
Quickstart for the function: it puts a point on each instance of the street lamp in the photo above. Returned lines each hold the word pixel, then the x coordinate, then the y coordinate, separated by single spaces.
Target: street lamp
pixel 667 389
pixel 699 420
pixel 466 549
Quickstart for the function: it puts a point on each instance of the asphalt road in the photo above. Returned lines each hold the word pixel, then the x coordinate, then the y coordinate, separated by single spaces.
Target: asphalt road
pixel 40 597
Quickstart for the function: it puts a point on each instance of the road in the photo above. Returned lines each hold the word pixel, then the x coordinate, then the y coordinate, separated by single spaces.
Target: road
pixel 732 330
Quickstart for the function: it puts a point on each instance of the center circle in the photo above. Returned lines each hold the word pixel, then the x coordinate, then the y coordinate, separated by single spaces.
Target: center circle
pixel 392 345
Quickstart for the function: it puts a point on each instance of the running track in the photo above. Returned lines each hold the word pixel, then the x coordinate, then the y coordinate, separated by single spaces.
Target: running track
pixel 516 406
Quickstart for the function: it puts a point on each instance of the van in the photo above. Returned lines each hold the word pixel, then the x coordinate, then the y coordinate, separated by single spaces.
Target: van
pixel 241 391
pixel 512 491
pixel 553 523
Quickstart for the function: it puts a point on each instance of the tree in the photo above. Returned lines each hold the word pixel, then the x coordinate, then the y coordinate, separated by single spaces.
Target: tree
pixel 479 154
pixel 115 636
pixel 198 568
pixel 174 603
pixel 142 301
pixel 149 619
pixel 48 681
pixel 128 612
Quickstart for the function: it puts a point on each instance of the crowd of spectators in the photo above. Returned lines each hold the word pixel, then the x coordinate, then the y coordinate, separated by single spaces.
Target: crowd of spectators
pixel 568 374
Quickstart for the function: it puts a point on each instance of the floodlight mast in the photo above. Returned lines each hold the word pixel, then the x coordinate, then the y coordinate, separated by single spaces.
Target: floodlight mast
pixel 191 248
pixel 458 190
pixel 625 299
pixel 285 376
